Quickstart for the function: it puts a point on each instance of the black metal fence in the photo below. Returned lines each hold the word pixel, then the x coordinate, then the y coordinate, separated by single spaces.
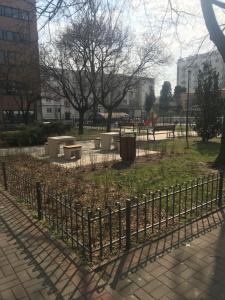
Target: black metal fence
pixel 105 232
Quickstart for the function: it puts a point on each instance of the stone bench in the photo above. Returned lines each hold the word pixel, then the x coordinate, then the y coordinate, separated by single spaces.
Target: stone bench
pixel 72 150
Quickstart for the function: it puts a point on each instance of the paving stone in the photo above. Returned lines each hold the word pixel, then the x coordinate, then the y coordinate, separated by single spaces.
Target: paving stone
pixel 7 295
pixel 7 270
pixel 194 293
pixel 36 296
pixel 137 279
pixel 159 271
pixel 19 292
pixel 152 285
pixel 142 295
pixel 160 292
pixel 188 273
pixel 129 290
pixel 9 284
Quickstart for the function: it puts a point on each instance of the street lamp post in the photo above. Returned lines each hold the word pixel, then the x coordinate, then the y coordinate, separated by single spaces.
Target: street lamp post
pixel 187 108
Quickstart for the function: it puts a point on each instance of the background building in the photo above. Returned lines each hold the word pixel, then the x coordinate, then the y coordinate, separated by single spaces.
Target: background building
pixel 133 104
pixel 19 62
pixel 194 63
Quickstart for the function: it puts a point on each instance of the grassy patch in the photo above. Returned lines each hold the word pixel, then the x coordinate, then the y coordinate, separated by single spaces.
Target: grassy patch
pixel 89 133
pixel 185 165
pixel 106 186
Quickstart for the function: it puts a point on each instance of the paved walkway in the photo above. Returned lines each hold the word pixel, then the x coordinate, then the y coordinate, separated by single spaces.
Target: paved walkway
pixel 91 156
pixel 195 270
pixel 34 266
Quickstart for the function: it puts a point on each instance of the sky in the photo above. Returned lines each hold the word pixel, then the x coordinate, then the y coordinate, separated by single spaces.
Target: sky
pixel 181 34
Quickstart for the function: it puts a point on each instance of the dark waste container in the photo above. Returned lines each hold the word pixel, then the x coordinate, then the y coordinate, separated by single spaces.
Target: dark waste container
pixel 128 147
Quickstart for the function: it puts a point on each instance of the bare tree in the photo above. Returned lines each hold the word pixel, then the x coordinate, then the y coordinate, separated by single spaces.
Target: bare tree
pixel 104 60
pixel 48 10
pixel 64 76
pixel 115 62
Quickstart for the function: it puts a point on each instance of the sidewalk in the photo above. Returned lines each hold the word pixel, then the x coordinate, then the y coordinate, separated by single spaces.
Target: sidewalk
pixel 195 270
pixel 34 266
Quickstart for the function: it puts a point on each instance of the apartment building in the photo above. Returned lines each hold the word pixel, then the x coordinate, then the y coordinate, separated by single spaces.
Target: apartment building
pixel 19 62
pixel 133 104
pixel 194 63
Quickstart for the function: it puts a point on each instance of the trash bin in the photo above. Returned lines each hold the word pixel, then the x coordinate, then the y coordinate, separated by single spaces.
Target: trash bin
pixel 97 142
pixel 128 147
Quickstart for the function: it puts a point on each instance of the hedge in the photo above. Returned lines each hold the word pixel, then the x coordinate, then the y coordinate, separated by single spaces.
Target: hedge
pixel 32 135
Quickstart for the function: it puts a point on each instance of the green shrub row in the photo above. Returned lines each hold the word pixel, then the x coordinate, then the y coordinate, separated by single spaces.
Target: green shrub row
pixel 33 135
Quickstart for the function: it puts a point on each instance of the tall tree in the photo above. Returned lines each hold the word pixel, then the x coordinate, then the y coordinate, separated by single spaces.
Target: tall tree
pixel 100 50
pixel 178 91
pixel 149 100
pixel 218 38
pixel 116 62
pixel 165 96
pixel 210 103
pixel 65 76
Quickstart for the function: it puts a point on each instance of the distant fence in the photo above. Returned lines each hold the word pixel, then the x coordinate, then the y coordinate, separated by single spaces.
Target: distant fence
pixel 103 233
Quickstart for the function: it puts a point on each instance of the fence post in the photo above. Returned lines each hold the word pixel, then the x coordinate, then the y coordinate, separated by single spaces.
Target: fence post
pixel 128 225
pixel 39 201
pixel 220 196
pixel 89 235
pixel 4 176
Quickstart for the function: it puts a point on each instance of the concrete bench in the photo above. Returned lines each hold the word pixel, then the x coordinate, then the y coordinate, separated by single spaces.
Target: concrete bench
pixel 168 128
pixel 72 150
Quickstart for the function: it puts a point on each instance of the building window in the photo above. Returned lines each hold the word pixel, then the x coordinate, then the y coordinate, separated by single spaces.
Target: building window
pixel 14 36
pixel 15 13
pixel 2 57
pixel 11 58
pixel 49 110
pixel 7 57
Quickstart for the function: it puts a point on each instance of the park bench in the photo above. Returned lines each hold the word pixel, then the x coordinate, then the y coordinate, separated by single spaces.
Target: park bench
pixel 160 129
pixel 72 150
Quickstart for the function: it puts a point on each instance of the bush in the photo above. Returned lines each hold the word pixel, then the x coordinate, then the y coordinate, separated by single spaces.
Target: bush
pixel 54 128
pixel 33 135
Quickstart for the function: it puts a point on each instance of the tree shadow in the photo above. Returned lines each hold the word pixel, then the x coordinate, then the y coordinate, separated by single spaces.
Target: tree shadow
pixel 210 148
pixel 118 272
pixel 51 265
pixel 216 288
pixel 121 165
pixel 63 276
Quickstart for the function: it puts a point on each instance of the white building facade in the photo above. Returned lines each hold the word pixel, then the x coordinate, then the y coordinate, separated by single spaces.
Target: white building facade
pixel 194 63
pixel 133 104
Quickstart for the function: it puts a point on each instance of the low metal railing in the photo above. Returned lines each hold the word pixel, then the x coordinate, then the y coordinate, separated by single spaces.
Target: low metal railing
pixel 102 233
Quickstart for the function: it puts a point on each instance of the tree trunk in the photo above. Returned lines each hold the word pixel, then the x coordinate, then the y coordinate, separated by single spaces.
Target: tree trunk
pixel 81 122
pixel 95 109
pixel 109 121
pixel 218 38
pixel 220 160
pixel 25 117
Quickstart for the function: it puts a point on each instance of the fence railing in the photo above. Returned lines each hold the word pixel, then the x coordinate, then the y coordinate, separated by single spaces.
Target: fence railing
pixel 105 232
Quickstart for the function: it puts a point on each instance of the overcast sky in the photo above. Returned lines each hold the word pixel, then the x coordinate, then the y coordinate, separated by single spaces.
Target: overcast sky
pixel 183 36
